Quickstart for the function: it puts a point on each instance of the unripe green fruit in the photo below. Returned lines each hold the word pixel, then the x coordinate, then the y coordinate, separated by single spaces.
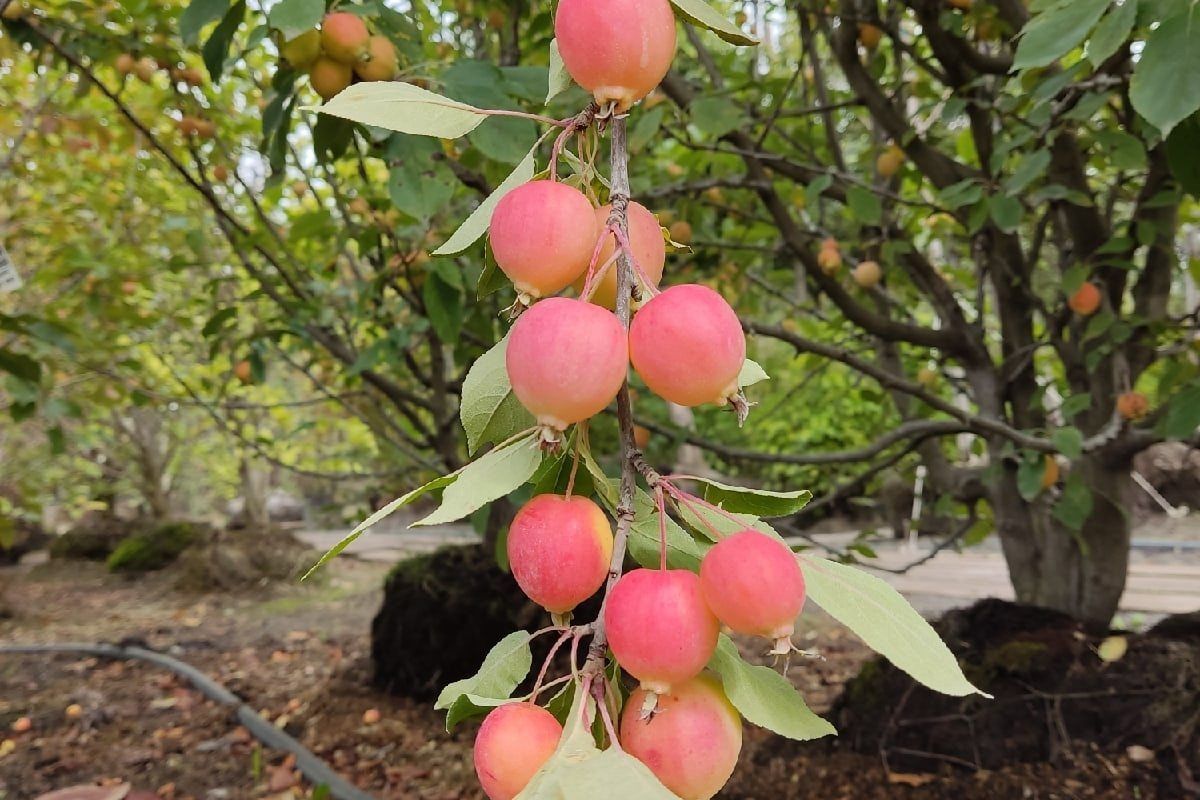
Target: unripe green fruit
pixel 344 37
pixel 302 51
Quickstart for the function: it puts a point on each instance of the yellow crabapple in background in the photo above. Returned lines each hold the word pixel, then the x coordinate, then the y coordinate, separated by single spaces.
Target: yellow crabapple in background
pixel 381 63
pixel 681 232
pixel 868 274
pixel 302 51
pixel 344 37
pixel 619 50
pixel 329 76
pixel 513 743
pixel 889 161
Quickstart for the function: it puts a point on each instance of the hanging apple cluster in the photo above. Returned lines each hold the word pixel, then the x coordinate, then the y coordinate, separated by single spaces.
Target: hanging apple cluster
pixel 342 50
pixel 567 359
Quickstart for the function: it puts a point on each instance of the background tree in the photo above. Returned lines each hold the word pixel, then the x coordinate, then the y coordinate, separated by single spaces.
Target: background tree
pixel 988 177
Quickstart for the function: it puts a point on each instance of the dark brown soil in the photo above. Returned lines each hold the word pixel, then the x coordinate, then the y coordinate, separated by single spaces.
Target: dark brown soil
pixel 299 654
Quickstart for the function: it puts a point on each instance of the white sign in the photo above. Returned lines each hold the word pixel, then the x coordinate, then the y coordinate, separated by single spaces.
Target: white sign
pixel 10 279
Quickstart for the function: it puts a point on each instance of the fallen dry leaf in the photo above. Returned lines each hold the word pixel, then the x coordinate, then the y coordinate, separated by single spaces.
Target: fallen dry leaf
pixel 909 779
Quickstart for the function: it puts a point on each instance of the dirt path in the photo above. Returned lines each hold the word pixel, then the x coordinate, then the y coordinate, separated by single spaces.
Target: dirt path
pixel 299 655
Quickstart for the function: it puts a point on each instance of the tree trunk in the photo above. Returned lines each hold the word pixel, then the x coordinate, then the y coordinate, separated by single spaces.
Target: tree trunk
pixel 1081 573
pixel 255 485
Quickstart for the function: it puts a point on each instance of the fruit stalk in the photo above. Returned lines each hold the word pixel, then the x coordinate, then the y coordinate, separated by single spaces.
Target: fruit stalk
pixel 619 198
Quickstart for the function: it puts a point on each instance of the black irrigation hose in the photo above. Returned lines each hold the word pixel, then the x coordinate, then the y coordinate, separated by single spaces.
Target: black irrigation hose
pixel 314 769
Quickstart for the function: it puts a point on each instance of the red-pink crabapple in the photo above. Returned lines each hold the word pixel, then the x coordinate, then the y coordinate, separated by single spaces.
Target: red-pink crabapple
pixel 543 234
pixel 691 743
pixel 344 37
pixel 566 360
pixel 687 345
pixel 513 743
pixel 659 628
pixel 559 549
pixel 618 50
pixel 754 585
pixel 649 250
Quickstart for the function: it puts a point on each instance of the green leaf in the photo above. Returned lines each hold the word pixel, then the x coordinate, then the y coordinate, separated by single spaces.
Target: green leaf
pixel 472 705
pixel 560 79
pixel 1164 88
pixel 216 49
pixel 490 412
pixel 378 517
pixel 716 116
pixel 503 669
pixel 491 477
pixel 1030 168
pixel 1005 211
pixel 1075 503
pixel 963 193
pixel 1069 442
pixel 1183 414
pixel 294 17
pixel 399 106
pixel 1029 475
pixel 1112 32
pixel 751 374
pixel 578 770
pixel 683 552
pixel 759 502
pixel 198 14
pixel 443 306
pixel 814 190
pixel 765 697
pixel 865 205
pixel 714 525
pixel 884 620
pixel 700 13
pixel 1183 154
pixel 20 365
pixel 1056 31
pixel 476 224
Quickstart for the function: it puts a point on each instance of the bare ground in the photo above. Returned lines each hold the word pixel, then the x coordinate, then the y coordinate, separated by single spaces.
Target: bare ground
pixel 299 655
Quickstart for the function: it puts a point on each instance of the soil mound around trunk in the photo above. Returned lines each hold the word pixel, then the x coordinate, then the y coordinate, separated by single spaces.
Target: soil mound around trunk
pixel 443 612
pixel 1058 693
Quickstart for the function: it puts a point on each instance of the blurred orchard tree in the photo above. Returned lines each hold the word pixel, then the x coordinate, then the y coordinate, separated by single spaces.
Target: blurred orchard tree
pixel 957 243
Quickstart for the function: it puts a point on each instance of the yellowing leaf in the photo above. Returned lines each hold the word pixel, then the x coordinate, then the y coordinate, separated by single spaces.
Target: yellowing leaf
pixel 399 106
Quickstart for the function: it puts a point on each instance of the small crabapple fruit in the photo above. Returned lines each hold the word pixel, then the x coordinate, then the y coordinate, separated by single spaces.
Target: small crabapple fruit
pixel 619 50
pixel 381 63
pixel 124 63
pixel 559 549
pixel 329 76
pixel 754 585
pixel 1086 300
pixel 687 345
pixel 691 743
pixel 649 249
pixel 344 37
pixel 681 232
pixel 889 161
pixel 513 743
pixel 1050 472
pixel 870 35
pixel 659 627
pixel 543 235
pixel 145 68
pixel 829 258
pixel 1133 406
pixel 372 716
pixel 566 360
pixel 868 274
pixel 220 173
pixel 302 51
pixel 641 437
